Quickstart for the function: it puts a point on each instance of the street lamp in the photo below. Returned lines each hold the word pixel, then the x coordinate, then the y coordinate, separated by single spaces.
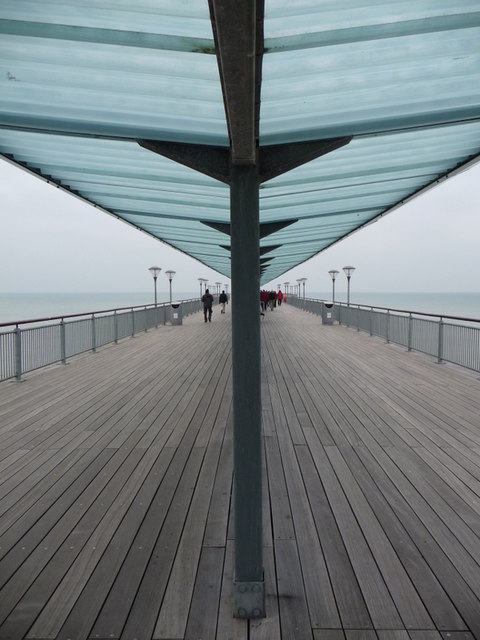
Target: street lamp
pixel 155 271
pixel 226 288
pixel 170 275
pixel 348 272
pixel 333 274
pixel 218 285
pixel 287 285
pixel 302 280
pixel 201 281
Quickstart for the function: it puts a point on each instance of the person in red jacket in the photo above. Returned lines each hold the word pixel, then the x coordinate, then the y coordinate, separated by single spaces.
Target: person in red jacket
pixel 279 297
pixel 264 299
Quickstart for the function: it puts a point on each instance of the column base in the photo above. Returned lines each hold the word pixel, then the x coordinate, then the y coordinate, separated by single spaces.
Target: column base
pixel 249 599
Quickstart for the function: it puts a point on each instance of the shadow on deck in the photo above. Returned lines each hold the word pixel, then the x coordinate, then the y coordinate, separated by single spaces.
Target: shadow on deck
pixel 116 479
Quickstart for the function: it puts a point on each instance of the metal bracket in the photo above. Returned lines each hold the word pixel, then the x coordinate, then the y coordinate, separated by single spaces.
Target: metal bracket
pixel 249 599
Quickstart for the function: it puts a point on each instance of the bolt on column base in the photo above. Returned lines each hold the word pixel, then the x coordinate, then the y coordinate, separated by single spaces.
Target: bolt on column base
pixel 249 599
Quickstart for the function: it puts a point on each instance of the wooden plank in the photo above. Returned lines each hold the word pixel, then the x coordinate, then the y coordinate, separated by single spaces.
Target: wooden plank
pixel 282 520
pixel 268 627
pixel 173 617
pixel 67 550
pixel 328 634
pixel 318 589
pixel 229 627
pixel 438 603
pixel 403 592
pixel 379 602
pixel 217 519
pixel 130 463
pixel 294 616
pixel 350 602
pixel 409 506
pixel 134 493
pixel 202 618
pixel 32 552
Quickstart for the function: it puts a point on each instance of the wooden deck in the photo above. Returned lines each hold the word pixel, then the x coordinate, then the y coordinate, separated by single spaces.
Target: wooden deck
pixel 116 478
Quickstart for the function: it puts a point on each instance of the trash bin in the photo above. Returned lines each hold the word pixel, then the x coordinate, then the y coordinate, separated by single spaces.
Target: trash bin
pixel 176 313
pixel 328 313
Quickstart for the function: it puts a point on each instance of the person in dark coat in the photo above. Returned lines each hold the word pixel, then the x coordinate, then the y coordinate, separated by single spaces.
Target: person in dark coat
pixel 207 300
pixel 223 300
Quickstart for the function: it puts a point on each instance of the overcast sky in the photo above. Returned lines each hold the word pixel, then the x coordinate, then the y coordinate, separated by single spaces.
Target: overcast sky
pixel 53 242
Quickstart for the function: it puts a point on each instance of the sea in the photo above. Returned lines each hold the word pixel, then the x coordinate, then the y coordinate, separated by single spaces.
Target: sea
pixel 17 307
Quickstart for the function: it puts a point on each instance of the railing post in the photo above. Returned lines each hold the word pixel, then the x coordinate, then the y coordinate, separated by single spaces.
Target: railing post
pixel 145 310
pixel 388 326
pixel 440 340
pixel 94 337
pixel 133 323
pixel 63 350
pixel 18 353
pixel 115 327
pixel 410 331
pixel 371 321
pixel 358 317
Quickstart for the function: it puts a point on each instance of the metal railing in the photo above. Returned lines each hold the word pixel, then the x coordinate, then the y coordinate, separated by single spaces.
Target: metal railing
pixel 448 338
pixel 31 344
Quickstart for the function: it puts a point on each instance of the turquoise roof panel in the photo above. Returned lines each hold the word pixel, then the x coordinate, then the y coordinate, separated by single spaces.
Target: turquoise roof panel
pixel 81 81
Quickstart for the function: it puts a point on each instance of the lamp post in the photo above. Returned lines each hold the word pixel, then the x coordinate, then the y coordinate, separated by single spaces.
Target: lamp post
pixel 333 274
pixel 155 271
pixel 170 275
pixel 287 284
pixel 302 281
pixel 348 272
pixel 218 285
pixel 201 281
pixel 226 288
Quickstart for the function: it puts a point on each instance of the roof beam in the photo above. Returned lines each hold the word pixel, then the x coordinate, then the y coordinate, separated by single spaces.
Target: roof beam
pixel 278 159
pixel 96 35
pixel 365 33
pixel 238 34
pixel 266 228
pixel 211 161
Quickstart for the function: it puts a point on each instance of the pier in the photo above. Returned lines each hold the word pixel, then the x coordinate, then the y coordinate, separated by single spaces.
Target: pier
pixel 116 477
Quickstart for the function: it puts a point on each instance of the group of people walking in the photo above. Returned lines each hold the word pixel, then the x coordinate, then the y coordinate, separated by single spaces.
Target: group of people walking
pixel 207 300
pixel 270 299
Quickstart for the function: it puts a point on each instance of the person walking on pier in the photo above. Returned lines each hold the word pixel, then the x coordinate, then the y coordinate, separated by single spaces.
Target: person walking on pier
pixel 223 299
pixel 207 300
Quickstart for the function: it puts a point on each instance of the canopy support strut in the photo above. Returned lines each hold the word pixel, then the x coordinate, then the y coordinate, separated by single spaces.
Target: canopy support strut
pixel 249 591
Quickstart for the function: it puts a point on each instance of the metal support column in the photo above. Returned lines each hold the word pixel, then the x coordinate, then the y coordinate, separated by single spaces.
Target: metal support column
pixel 249 598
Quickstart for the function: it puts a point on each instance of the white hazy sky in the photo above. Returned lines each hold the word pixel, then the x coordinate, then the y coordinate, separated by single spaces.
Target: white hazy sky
pixel 51 242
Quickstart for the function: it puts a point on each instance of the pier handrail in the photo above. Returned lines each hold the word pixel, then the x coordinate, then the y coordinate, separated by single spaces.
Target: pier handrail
pixel 66 316
pixel 30 344
pixel 449 338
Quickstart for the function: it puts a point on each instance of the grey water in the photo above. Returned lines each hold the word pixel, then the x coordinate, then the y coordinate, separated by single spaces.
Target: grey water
pixel 15 307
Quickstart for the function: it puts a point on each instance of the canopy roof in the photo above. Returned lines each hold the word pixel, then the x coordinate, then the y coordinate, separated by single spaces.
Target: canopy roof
pixel 396 84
